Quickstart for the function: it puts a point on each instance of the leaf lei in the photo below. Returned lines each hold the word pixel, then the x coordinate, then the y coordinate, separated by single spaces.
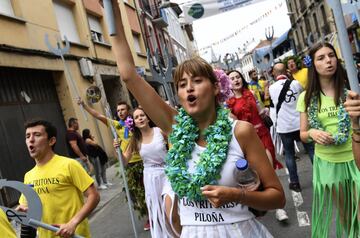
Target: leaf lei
pixel 183 139
pixel 343 117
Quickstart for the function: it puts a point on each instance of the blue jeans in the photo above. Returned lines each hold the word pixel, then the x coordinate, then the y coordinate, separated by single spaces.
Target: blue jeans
pixel 288 140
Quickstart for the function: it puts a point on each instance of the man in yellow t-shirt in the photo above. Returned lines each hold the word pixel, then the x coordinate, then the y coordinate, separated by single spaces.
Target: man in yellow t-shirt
pixel 256 88
pixel 60 183
pixel 301 75
pixel 5 227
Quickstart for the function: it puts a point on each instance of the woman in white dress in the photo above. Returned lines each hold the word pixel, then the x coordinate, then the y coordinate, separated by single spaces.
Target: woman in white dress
pixel 205 144
pixel 150 143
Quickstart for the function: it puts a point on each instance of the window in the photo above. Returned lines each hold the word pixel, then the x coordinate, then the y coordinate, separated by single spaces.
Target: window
pixel 95 29
pixel 6 8
pixel 137 43
pixel 66 22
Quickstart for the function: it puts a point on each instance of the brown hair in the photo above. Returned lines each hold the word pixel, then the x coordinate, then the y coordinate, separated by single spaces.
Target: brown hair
pixel 124 103
pixel 136 139
pixel 196 67
pixel 313 87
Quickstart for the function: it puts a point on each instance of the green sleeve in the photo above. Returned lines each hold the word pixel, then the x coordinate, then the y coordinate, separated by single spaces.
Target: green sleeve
pixel 300 107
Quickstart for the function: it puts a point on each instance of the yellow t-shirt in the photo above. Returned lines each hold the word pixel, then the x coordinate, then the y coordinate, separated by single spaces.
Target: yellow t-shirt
pixel 60 184
pixel 265 91
pixel 328 117
pixel 6 229
pixel 302 77
pixel 257 90
pixel 125 142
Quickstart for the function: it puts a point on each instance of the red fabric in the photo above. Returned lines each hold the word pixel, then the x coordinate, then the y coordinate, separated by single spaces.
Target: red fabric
pixel 245 109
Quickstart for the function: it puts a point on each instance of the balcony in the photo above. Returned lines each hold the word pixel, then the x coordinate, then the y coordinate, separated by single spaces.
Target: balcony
pixel 160 20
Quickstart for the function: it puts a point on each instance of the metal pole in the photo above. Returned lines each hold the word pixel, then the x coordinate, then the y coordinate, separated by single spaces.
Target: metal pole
pixel 345 44
pixel 122 172
pixel 74 87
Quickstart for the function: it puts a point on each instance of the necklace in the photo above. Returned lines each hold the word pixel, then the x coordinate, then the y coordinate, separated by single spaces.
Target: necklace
pixel 342 134
pixel 207 170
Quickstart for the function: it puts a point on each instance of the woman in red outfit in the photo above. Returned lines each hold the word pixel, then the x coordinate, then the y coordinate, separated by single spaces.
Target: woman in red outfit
pixel 244 107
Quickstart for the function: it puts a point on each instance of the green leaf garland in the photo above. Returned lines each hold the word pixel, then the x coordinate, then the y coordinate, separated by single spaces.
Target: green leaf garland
pixel 343 117
pixel 183 138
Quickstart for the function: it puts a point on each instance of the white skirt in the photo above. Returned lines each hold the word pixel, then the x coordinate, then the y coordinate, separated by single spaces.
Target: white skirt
pixel 244 229
pixel 154 182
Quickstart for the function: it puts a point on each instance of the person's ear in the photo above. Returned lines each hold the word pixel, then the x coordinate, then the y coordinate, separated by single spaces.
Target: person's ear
pixel 52 141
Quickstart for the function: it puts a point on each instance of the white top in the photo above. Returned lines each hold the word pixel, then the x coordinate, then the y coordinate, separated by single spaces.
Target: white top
pixel 201 212
pixel 153 153
pixel 288 119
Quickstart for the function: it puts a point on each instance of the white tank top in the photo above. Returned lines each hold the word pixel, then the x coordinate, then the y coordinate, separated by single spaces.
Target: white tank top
pixel 202 212
pixel 153 154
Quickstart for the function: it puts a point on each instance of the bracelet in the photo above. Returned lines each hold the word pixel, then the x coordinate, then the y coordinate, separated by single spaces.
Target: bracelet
pixel 356 131
pixel 354 140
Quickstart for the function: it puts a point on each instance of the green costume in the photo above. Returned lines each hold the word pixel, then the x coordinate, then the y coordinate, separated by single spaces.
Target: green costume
pixel 336 180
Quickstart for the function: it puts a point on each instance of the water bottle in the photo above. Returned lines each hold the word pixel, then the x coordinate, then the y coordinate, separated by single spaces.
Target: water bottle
pixel 246 177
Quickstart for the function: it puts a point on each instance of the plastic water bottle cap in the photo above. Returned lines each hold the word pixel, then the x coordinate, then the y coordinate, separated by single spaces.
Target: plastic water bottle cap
pixel 241 164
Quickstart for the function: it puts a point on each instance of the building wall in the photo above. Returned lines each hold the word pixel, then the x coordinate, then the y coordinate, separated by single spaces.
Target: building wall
pixel 309 16
pixel 22 45
pixel 177 35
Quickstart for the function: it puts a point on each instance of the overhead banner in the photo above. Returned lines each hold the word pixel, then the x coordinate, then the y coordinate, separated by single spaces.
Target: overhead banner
pixel 195 10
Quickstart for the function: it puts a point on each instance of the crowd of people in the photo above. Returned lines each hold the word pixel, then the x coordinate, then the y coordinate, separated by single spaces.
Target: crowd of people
pixel 180 162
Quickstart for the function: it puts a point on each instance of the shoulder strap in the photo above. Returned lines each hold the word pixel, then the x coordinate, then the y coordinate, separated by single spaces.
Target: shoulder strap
pixel 282 95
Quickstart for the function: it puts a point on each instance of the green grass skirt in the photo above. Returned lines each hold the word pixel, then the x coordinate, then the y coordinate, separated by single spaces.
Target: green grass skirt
pixel 134 174
pixel 336 190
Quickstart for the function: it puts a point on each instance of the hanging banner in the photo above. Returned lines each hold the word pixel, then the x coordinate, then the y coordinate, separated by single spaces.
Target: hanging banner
pixel 262 16
pixel 204 8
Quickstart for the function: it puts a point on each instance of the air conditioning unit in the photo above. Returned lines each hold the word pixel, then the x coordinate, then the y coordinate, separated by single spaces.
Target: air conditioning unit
pixel 86 68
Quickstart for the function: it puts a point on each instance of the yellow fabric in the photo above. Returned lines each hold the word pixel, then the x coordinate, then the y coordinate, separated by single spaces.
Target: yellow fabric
pixel 328 117
pixel 6 229
pixel 302 77
pixel 265 91
pixel 60 184
pixel 256 91
pixel 125 142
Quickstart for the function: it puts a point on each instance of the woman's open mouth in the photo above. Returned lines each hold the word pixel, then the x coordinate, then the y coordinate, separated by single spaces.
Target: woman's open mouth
pixel 191 98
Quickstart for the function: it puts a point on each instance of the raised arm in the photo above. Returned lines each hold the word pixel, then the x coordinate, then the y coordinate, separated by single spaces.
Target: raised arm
pixel 161 114
pixel 92 112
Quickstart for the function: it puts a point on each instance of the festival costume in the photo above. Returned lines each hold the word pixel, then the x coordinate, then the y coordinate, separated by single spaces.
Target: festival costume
pixel 244 108
pixel 134 169
pixel 335 176
pixel 200 219
pixel 60 184
pixel 153 155
pixel 5 227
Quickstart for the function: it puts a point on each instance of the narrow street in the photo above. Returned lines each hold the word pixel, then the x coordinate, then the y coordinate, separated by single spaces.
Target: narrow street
pixel 113 220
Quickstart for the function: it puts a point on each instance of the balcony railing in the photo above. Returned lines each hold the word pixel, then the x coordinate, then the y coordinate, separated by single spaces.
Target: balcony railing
pixel 160 20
